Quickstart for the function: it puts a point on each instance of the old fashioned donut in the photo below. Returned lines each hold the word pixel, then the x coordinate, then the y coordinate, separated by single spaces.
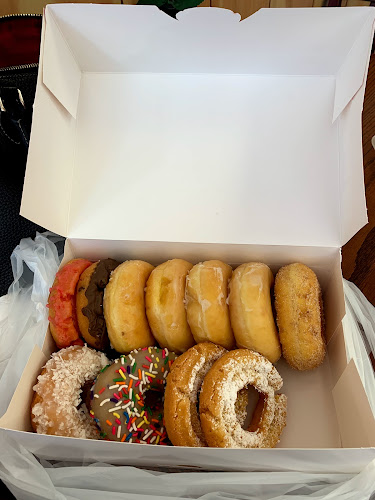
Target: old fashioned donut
pixel 90 291
pixel 55 407
pixel 299 309
pixel 165 307
pixel 181 394
pixel 124 306
pixel 251 310
pixel 229 374
pixel 62 304
pixel 206 303
pixel 120 397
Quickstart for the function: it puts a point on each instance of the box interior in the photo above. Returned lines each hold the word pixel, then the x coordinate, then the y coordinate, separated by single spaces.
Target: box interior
pixel 312 420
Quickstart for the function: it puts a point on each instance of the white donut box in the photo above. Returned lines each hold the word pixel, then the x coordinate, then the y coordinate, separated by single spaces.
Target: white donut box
pixel 205 137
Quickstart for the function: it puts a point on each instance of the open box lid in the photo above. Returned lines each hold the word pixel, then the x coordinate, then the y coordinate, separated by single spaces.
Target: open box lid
pixel 201 128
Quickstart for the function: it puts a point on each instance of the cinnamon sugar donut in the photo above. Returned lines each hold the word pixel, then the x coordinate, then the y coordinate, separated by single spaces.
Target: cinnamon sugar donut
pixel 299 308
pixel 55 405
pixel 181 394
pixel 229 374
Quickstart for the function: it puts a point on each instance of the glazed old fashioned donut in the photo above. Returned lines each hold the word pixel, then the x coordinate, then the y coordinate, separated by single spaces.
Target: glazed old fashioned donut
pixel 165 307
pixel 181 394
pixel 124 306
pixel 62 304
pixel 206 303
pixel 232 372
pixel 251 310
pixel 55 405
pixel 299 309
pixel 120 397
pixel 90 291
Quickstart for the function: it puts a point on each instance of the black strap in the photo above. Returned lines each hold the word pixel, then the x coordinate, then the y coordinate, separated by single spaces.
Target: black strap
pixel 15 118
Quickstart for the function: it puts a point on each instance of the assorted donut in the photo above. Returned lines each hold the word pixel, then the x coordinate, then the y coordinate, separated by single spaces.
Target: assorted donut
pixel 165 355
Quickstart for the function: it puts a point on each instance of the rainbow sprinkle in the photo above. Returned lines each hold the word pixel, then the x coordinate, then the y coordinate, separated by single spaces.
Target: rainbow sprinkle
pixel 141 423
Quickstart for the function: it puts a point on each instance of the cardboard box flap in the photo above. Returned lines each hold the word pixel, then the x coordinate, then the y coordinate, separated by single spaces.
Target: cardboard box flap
pixel 61 73
pixel 204 114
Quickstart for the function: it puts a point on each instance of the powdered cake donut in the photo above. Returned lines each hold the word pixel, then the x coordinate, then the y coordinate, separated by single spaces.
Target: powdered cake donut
pixel 232 372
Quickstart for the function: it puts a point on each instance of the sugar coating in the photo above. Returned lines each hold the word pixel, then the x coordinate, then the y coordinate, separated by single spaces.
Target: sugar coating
pixel 234 371
pixel 300 318
pixel 59 389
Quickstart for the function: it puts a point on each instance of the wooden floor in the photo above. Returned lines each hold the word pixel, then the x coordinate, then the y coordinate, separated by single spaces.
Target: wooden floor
pixel 358 263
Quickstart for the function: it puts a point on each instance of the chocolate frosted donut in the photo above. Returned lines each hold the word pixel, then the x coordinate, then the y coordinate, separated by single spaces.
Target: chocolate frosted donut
pixel 126 400
pixel 90 291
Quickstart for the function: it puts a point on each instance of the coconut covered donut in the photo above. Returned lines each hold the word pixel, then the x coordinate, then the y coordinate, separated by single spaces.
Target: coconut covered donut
pixel 181 394
pixel 55 405
pixel 231 373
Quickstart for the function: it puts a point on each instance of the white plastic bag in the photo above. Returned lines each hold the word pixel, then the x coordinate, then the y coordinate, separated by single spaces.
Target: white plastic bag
pixel 30 480
pixel 23 313
pixel 359 333
pixel 23 322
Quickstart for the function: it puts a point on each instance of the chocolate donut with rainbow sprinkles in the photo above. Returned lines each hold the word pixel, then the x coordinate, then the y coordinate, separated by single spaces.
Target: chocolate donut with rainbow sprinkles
pixel 127 397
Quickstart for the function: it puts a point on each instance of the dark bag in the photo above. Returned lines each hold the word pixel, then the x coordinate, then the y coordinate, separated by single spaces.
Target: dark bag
pixel 19 55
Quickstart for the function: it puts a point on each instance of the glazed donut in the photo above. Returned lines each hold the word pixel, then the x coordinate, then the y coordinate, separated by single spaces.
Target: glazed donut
pixel 55 405
pixel 90 291
pixel 206 303
pixel 229 374
pixel 181 394
pixel 251 310
pixel 124 306
pixel 120 397
pixel 165 305
pixel 62 304
pixel 299 309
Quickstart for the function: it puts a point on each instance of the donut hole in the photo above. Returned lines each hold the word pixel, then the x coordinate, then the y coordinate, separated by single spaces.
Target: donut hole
pixel 85 395
pixel 246 403
pixel 154 404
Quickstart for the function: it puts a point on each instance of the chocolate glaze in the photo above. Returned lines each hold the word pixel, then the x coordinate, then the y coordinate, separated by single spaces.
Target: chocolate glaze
pixel 94 294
